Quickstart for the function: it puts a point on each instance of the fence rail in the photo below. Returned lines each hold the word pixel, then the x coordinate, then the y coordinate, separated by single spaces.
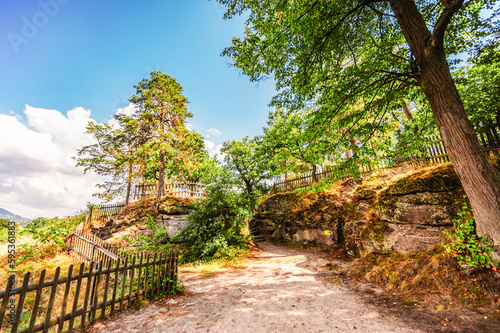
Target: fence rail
pixel 435 154
pixel 105 287
pixel 184 189
pixel 103 212
pixel 91 248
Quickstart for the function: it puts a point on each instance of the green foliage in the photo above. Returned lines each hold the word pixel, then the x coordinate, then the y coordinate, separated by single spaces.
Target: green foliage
pixel 171 150
pixel 54 233
pixel 292 143
pixel 151 144
pixel 348 59
pixel 479 87
pixel 4 229
pixel 465 244
pixel 147 243
pixel 39 222
pixel 216 228
pixel 248 161
pixel 114 154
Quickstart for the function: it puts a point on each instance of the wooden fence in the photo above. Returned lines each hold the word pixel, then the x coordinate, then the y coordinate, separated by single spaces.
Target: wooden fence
pixel 435 154
pixel 185 189
pixel 91 248
pixel 97 291
pixel 103 212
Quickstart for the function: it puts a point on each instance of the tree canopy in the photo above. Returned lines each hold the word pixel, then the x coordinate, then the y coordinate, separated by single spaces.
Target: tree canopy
pixel 248 162
pixel 373 54
pixel 149 145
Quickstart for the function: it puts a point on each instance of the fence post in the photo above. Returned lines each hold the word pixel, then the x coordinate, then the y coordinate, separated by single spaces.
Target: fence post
pixel 90 215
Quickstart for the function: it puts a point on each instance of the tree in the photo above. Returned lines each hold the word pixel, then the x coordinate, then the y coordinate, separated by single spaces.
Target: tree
pixel 162 107
pixel 290 140
pixel 113 154
pixel 247 159
pixel 339 53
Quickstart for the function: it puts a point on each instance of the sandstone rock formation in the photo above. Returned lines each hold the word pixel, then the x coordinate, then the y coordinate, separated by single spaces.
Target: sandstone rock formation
pixel 401 213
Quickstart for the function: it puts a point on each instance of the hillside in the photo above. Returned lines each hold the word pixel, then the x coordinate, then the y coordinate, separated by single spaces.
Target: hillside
pixel 5 214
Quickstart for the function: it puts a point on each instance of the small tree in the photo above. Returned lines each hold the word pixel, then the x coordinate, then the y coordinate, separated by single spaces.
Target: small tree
pixel 162 108
pixel 247 159
pixel 113 154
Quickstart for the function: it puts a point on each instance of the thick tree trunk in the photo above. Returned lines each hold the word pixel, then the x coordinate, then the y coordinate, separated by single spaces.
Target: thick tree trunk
pixel 161 176
pixel 129 184
pixel 314 171
pixel 479 178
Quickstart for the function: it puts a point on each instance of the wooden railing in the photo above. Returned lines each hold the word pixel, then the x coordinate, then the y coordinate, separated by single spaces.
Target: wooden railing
pixel 103 212
pixel 184 189
pixel 435 154
pixel 91 248
pixel 76 299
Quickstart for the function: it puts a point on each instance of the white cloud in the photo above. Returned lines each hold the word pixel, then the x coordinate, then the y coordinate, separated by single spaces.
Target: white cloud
pixel 129 110
pixel 38 176
pixel 212 132
pixel 212 147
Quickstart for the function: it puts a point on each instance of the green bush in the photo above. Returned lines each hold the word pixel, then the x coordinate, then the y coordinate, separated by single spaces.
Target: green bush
pixel 469 248
pixel 4 230
pixel 147 243
pixel 39 222
pixel 216 229
pixel 53 233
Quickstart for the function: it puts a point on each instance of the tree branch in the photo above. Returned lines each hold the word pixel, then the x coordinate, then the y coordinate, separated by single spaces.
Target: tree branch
pixel 450 8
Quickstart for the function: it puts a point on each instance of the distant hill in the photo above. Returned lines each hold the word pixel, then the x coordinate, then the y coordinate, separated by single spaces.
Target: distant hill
pixel 5 214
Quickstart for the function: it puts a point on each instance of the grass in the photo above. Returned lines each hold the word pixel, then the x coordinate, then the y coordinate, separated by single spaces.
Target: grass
pixel 430 278
pixel 204 268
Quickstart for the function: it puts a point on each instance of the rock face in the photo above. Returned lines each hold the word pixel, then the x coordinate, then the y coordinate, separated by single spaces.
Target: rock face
pixel 133 221
pixel 401 214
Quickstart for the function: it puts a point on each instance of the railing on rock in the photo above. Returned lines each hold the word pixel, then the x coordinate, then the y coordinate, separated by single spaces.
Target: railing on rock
pixel 182 189
pixel 435 154
pixel 103 212
pixel 77 298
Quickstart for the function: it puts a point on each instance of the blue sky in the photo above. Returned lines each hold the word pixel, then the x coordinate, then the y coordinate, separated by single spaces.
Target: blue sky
pixel 61 54
pixel 65 62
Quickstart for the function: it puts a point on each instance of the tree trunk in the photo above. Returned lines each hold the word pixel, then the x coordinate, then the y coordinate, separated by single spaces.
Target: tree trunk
pixel 249 187
pixel 161 176
pixel 479 178
pixel 129 184
pixel 407 111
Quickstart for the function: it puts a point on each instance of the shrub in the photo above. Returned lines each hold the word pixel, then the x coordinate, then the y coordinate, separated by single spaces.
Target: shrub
pixel 216 228
pixel 469 248
pixel 154 242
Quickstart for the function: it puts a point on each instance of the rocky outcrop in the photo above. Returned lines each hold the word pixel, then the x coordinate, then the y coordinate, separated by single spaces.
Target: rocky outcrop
pixel 380 213
pixel 133 221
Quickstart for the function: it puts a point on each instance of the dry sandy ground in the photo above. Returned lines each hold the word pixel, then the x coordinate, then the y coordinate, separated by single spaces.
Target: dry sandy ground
pixel 277 291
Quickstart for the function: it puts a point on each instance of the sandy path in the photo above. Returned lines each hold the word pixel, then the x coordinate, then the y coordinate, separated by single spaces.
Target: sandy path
pixel 275 292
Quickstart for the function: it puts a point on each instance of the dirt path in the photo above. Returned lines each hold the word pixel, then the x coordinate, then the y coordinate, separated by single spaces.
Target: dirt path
pixel 276 292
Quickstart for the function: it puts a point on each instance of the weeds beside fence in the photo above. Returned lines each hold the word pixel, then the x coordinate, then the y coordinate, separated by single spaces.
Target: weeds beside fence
pixel 90 294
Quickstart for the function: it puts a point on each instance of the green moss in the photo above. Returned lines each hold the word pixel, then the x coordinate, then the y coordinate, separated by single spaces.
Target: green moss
pixel 438 179
pixel 376 230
